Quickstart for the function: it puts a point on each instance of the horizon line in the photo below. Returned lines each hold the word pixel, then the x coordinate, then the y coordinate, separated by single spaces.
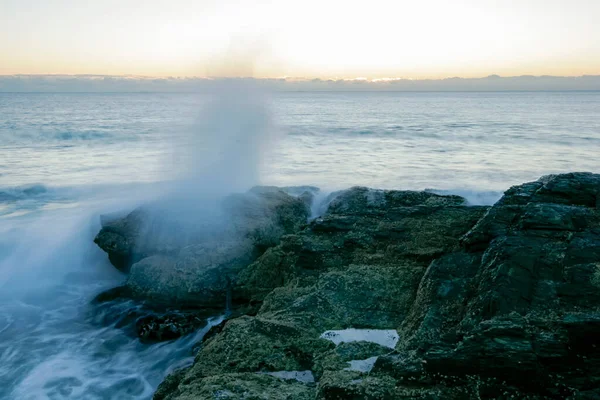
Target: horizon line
pixel 316 91
pixel 134 83
pixel 293 78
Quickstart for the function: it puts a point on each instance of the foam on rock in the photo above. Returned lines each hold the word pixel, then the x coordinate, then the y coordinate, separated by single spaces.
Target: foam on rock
pixel 362 365
pixel 384 337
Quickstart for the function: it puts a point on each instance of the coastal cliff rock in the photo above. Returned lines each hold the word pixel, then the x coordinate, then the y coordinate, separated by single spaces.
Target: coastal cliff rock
pixel 521 303
pixel 401 295
pixel 390 231
pixel 357 266
pixel 175 257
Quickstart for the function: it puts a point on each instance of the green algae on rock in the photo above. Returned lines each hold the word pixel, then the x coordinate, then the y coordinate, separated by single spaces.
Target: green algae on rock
pixel 488 302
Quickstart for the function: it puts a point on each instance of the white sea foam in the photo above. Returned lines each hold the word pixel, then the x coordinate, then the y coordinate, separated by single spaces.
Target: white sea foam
pixel 362 365
pixel 52 345
pixel 384 337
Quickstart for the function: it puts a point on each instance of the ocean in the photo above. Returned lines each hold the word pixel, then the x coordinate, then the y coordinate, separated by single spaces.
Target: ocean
pixel 67 158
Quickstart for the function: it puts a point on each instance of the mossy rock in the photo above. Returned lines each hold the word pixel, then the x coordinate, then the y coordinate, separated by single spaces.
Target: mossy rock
pixel 357 296
pixel 243 386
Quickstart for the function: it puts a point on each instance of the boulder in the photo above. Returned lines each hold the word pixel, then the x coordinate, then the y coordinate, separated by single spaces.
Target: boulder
pixel 168 326
pixel 506 306
pixel 358 265
pixel 399 229
pixel 185 256
pixel 197 275
pixel 148 323
pixel 487 302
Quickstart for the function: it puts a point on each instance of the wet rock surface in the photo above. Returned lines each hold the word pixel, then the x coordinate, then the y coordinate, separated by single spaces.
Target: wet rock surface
pixel 357 266
pixel 147 323
pixel 488 302
pixel 177 254
pixel 157 328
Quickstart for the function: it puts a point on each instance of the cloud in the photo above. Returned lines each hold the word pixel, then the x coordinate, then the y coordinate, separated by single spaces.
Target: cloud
pixel 108 83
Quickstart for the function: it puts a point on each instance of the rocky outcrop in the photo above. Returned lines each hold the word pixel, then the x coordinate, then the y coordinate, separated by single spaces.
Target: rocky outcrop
pixel 521 302
pixel 186 256
pixel 483 302
pixel 396 233
pixel 500 302
pixel 359 265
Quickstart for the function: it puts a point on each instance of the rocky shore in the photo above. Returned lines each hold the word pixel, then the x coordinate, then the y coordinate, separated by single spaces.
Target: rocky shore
pixel 383 295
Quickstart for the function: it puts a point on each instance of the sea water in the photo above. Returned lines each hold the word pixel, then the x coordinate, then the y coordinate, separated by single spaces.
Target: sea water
pixel 67 158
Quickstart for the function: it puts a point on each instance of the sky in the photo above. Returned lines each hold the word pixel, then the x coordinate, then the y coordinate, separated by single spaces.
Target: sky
pixel 325 39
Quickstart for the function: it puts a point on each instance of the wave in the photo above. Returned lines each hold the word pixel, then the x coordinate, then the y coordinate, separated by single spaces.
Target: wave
pixel 424 131
pixel 22 192
pixel 84 136
pixel 39 199
pixel 39 135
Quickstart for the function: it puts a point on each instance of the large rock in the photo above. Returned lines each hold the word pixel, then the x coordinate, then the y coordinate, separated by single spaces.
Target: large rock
pixel 398 229
pixel 185 256
pixel 500 302
pixel 521 304
pixel 197 275
pixel 358 265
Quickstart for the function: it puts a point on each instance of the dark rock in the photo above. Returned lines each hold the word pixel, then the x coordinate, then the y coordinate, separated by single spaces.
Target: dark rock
pixel 157 328
pixel 239 386
pixel 254 344
pixel 343 385
pixel 168 388
pixel 177 257
pixel 500 302
pixel 364 227
pixel 338 359
pixel 197 276
pixel 357 266
pixel 360 296
pixel 506 318
pixel 149 324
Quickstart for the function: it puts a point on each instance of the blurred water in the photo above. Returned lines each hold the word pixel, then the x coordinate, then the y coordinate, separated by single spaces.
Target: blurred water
pixel 66 158
pixel 479 141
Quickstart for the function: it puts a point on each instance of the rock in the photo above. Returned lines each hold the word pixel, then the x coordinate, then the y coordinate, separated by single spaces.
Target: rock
pixel 339 358
pixel 300 376
pixel 255 344
pixel 238 387
pixel 149 324
pixel 169 326
pixel 498 310
pixel 119 292
pixel 364 227
pixel 544 196
pixel 361 296
pixel 500 302
pixel 180 258
pixel 168 387
pixel 359 265
pixel 198 275
pixel 382 337
pixel 343 385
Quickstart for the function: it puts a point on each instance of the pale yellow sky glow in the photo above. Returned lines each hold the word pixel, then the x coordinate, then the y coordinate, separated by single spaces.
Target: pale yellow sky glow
pixel 309 38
